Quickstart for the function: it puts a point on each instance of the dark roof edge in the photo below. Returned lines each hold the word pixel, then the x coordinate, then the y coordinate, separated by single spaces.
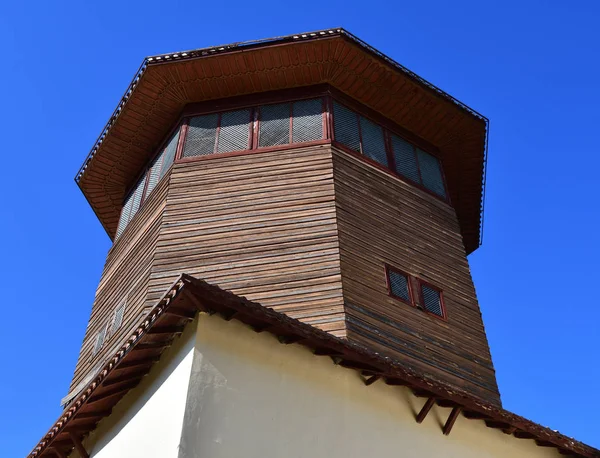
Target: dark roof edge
pixel 319 34
pixel 203 297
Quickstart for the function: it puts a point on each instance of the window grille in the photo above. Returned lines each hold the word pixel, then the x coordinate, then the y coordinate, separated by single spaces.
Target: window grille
pixel 431 173
pixel 169 154
pixel 345 125
pixel 274 125
pixel 201 135
pixel 373 142
pixel 398 285
pixel 307 120
pixel 432 300
pixel 234 131
pixel 99 340
pixel 405 159
pixel 125 212
pixel 117 318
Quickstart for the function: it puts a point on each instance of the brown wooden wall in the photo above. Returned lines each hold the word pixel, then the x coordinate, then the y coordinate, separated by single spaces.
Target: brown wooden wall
pixel 382 219
pixel 125 276
pixel 260 225
pixel 306 231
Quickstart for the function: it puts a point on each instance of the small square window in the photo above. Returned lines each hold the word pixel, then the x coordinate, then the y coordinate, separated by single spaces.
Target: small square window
pixel 432 300
pixel 398 285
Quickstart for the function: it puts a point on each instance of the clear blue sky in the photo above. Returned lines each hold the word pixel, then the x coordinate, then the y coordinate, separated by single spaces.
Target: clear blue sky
pixel 531 67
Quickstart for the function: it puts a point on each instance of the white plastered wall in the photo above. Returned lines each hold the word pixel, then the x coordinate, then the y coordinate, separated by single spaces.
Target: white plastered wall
pixel 148 421
pixel 250 396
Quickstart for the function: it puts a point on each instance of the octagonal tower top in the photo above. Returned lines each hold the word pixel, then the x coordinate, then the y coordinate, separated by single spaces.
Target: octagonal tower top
pixel 164 85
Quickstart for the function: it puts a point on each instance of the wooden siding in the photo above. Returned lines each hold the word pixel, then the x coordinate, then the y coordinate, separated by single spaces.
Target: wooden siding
pixel 125 277
pixel 260 225
pixel 382 219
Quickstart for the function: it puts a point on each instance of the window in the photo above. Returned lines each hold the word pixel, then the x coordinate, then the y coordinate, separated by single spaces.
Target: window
pixel 281 124
pixel 99 341
pixel 429 299
pixel 218 133
pixel 117 319
pixel 368 138
pixel 154 173
pixel 294 122
pixel 399 285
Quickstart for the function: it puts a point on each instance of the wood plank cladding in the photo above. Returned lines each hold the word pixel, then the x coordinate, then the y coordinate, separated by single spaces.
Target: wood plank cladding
pixel 306 231
pixel 260 225
pixel 166 87
pixel 125 277
pixel 383 220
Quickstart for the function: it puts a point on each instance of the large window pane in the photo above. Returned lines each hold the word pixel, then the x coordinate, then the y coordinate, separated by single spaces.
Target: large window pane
pixel 345 125
pixel 125 212
pixel 274 125
pixel 373 142
pixel 169 153
pixel 307 120
pixel 201 136
pixel 431 173
pixel 234 132
pixel 404 156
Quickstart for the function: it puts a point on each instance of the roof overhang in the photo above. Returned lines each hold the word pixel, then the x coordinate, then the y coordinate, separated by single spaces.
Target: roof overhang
pixel 165 84
pixel 188 296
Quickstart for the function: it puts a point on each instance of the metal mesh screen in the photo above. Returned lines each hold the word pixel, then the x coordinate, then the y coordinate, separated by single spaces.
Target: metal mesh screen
pixel 234 133
pixel 99 340
pixel 169 154
pixel 431 173
pixel 201 136
pixel 274 125
pixel 373 143
pixel 137 197
pixel 345 125
pixel 399 285
pixel 307 120
pixel 404 156
pixel 432 300
pixel 118 318
pixel 125 212
pixel 154 173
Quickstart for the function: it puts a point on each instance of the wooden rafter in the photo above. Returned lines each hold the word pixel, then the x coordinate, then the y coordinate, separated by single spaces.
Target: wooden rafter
pixel 78 445
pixel 451 420
pixel 425 410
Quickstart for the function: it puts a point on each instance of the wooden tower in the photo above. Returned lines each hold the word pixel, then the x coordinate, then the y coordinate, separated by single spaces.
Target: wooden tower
pixel 310 174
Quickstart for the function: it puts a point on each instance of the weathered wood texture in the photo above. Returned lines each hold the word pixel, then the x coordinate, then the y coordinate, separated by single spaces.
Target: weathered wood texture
pixel 125 277
pixel 382 219
pixel 305 231
pixel 260 225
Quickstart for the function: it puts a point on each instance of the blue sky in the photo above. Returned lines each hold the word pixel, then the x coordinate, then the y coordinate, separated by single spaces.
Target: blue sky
pixel 531 67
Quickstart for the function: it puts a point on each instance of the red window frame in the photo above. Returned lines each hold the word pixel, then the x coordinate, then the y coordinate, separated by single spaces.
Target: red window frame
pixel 415 298
pixel 389 269
pixel 327 94
pixel 387 135
pixel 254 129
pixel 422 283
